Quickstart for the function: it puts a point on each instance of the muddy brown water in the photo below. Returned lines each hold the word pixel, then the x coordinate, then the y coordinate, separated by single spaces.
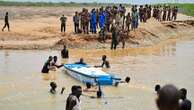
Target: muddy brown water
pixel 23 87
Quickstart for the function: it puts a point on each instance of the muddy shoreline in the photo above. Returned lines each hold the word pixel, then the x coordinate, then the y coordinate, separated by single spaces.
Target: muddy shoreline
pixel 39 28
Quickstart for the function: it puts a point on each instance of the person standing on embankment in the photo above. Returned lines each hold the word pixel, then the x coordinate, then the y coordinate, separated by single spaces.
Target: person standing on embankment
pixel 6 22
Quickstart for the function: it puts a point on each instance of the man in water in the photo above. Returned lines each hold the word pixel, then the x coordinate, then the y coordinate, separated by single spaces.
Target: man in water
pixel 63 20
pixel 157 88
pixel 54 63
pixel 104 62
pixel 168 98
pixel 185 103
pixel 73 100
pixel 89 88
pixel 47 65
pixel 6 22
pixel 65 52
pixel 81 61
pixel 53 87
pixel 97 90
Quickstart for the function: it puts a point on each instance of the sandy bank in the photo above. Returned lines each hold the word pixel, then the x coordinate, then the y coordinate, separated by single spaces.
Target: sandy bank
pixel 39 28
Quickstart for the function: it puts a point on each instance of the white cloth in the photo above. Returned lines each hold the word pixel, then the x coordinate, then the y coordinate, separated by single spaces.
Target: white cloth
pixel 78 103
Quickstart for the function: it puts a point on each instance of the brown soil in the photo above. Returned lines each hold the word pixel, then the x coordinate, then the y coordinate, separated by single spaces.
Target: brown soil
pixel 39 28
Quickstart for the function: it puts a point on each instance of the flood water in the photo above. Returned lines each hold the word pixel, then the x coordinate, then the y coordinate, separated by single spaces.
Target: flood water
pixel 23 87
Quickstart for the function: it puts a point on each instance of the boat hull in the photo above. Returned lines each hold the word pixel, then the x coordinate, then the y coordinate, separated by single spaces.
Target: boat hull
pixel 94 79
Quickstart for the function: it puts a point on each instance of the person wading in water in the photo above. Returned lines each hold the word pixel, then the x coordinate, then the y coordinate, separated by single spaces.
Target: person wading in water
pixel 104 62
pixel 73 100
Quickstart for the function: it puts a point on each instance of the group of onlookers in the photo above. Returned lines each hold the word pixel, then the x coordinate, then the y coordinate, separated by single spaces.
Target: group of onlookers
pixel 170 98
pixel 105 18
pixel 115 20
pixel 118 21
pixel 165 13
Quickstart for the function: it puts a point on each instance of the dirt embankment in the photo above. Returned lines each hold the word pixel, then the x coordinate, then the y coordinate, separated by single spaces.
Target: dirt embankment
pixel 39 28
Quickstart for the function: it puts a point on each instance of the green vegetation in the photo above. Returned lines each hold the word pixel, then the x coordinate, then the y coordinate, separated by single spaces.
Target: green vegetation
pixel 187 9
pixel 49 4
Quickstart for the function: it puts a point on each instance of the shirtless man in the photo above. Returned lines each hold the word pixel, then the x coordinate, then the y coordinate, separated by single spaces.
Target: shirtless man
pixel 104 62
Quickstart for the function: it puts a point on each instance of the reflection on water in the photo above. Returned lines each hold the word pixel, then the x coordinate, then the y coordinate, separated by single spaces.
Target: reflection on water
pixel 22 86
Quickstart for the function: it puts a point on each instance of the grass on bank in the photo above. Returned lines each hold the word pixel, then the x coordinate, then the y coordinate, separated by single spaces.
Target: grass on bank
pixel 187 9
pixel 51 4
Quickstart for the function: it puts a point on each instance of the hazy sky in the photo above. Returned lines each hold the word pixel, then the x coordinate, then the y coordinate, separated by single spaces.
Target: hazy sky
pixel 113 1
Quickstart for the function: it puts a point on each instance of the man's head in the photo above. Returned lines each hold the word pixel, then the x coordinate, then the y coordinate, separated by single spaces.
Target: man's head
pixel 55 58
pixel 81 60
pixel 168 98
pixel 88 85
pixel 79 91
pixel 93 10
pixel 104 57
pixel 50 58
pixel 63 15
pixel 183 93
pixel 76 90
pixel 127 79
pixel 6 13
pixel 157 88
pixel 53 85
pixel 76 13
pixel 64 46
pixel 73 89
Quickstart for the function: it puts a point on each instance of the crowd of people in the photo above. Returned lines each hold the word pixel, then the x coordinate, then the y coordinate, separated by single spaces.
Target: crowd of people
pixel 114 19
pixel 169 97
pixel 105 18
pixel 51 62
pixel 118 21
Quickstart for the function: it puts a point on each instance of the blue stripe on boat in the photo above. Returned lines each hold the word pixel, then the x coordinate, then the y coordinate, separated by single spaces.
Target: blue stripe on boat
pixel 85 73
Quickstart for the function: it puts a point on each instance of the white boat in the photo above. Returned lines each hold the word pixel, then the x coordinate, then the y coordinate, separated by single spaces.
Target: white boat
pixel 92 75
